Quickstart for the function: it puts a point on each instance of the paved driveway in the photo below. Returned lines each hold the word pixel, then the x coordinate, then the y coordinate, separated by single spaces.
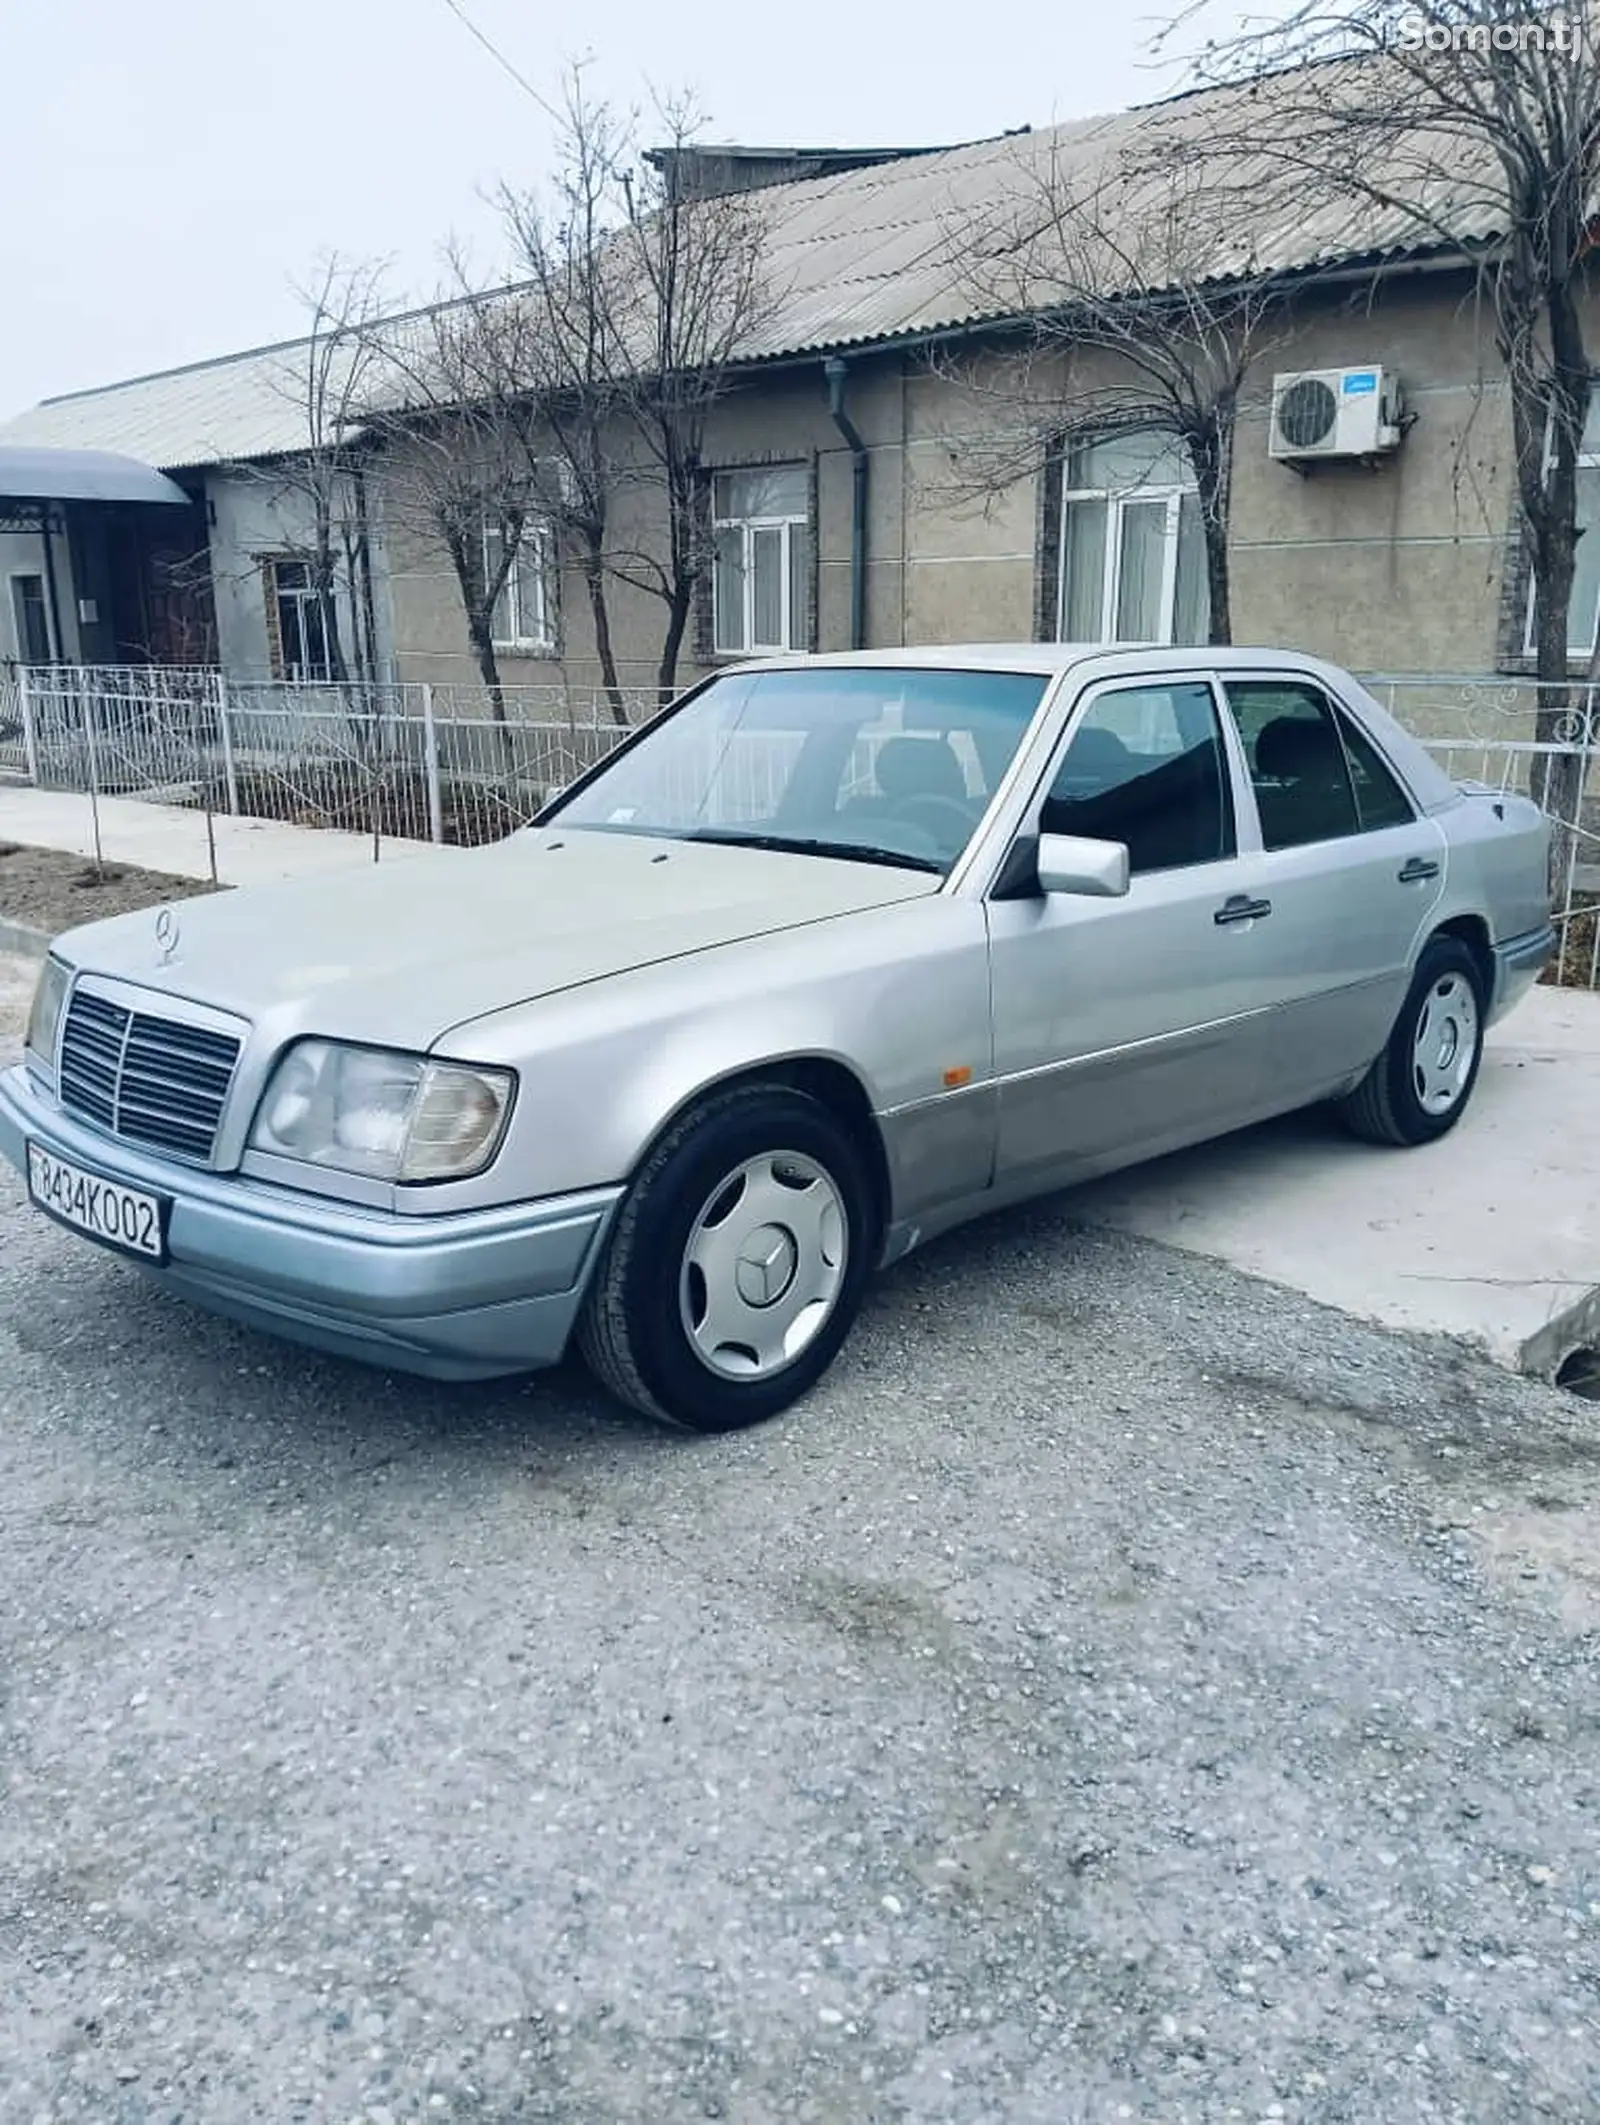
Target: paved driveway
pixel 1125 1690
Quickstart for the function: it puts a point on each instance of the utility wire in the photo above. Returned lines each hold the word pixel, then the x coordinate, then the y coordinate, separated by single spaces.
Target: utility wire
pixel 499 57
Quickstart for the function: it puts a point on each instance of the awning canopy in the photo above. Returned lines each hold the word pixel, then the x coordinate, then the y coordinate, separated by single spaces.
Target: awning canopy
pixel 33 475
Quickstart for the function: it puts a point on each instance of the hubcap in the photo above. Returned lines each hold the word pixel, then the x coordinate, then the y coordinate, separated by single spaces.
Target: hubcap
pixel 1446 1044
pixel 763 1266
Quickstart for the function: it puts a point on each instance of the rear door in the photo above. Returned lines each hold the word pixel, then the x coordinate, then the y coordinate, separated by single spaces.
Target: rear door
pixel 1122 1027
pixel 1351 871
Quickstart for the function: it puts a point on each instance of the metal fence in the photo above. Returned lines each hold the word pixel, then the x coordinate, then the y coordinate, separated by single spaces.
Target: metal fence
pixel 13 742
pixel 449 764
pixel 1540 739
pixel 455 764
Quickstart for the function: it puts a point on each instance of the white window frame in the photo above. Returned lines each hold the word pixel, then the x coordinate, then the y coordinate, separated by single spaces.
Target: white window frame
pixel 749 526
pixel 534 552
pixel 1586 461
pixel 1116 500
pixel 302 596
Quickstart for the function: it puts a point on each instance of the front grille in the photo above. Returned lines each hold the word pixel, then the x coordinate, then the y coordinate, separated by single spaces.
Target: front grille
pixel 152 1080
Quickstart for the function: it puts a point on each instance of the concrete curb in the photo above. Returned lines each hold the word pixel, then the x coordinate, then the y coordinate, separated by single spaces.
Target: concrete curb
pixel 24 938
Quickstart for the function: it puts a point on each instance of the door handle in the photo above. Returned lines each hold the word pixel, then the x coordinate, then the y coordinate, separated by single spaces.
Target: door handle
pixel 1239 907
pixel 1417 868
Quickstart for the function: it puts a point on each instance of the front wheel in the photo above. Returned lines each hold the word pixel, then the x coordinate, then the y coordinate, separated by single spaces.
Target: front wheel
pixel 1419 1086
pixel 736 1264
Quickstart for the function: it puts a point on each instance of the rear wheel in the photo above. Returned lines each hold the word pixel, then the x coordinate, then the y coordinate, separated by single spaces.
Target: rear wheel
pixel 1419 1086
pixel 736 1264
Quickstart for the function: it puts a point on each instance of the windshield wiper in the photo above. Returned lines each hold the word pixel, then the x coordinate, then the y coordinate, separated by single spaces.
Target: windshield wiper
pixel 811 845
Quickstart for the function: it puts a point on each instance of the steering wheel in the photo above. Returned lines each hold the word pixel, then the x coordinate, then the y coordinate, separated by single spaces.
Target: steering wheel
pixel 891 831
pixel 937 816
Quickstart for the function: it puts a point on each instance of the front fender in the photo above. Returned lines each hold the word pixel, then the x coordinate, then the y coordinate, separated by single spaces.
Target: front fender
pixel 898 997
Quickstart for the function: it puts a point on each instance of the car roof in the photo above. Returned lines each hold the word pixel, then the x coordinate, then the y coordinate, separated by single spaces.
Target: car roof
pixel 1047 658
pixel 1429 783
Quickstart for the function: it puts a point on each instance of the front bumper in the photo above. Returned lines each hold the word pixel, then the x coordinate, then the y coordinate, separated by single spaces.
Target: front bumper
pixel 1518 964
pixel 463 1296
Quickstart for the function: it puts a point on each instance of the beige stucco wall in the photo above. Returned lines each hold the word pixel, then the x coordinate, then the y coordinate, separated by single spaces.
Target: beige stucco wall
pixel 780 417
pixel 972 545
pixel 1392 568
pixel 1395 567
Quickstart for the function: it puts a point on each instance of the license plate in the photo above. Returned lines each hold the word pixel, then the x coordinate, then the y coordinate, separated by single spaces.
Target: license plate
pixel 120 1217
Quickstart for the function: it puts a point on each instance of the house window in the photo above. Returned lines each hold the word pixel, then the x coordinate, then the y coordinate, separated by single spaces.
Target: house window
pixel 30 615
pixel 297 621
pixel 521 616
pixel 760 590
pixel 1583 609
pixel 1132 561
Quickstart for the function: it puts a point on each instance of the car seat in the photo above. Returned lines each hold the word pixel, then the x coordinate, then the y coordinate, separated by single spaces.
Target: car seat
pixel 1302 783
pixel 919 767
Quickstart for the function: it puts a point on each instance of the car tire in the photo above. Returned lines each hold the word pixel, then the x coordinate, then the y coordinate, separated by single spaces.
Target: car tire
pixel 736 1264
pixel 1420 1085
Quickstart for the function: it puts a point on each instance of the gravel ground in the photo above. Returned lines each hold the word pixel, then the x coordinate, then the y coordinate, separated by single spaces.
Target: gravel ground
pixel 52 891
pixel 1124 1690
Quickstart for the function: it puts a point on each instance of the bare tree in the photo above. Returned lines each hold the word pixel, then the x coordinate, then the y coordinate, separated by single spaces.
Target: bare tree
pixel 449 401
pixel 1132 307
pixel 530 409
pixel 645 296
pixel 1473 133
pixel 326 379
pixel 576 367
pixel 689 297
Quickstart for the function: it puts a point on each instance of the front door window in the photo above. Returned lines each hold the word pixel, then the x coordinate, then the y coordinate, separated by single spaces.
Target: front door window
pixel 1145 766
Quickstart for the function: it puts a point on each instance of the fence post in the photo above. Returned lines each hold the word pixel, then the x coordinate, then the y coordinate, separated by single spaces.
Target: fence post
pixel 30 735
pixel 430 765
pixel 86 697
pixel 229 771
pixel 198 761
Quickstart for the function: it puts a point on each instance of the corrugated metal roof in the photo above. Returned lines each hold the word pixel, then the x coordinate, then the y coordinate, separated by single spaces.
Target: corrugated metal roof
pixel 216 412
pixel 896 250
pixel 862 256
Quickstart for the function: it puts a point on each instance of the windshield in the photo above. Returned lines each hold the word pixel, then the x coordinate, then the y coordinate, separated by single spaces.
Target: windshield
pixel 880 764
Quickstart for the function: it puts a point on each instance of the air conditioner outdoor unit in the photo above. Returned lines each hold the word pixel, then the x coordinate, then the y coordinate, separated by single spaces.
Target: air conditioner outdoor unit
pixel 1334 413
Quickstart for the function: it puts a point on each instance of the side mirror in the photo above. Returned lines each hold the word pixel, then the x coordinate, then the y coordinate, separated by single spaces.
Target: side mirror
pixel 1096 869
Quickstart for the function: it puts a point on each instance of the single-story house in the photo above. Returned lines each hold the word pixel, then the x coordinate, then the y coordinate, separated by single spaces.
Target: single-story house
pixel 838 481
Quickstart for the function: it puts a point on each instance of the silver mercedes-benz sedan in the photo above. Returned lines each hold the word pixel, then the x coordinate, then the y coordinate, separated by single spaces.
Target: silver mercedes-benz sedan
pixel 835 953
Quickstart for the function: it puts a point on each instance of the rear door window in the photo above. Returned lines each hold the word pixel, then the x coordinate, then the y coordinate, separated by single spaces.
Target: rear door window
pixel 1316 776
pixel 1380 801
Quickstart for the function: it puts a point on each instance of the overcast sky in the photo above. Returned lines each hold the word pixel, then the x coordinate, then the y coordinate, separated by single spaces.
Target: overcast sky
pixel 175 167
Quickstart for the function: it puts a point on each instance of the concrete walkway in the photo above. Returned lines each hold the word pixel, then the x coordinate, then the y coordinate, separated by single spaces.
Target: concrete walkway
pixel 169 837
pixel 1492 1234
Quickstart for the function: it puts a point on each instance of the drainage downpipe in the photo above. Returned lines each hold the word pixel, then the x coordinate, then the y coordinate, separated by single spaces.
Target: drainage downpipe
pixel 836 370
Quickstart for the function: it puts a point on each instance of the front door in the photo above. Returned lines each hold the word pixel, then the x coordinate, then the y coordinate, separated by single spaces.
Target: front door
pixel 1126 1027
pixel 1352 872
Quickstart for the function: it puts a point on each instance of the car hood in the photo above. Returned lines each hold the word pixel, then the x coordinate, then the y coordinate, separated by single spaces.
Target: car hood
pixel 400 952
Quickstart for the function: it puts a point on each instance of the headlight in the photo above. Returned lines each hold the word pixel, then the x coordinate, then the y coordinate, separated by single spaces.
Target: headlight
pixel 44 1019
pixel 369 1110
